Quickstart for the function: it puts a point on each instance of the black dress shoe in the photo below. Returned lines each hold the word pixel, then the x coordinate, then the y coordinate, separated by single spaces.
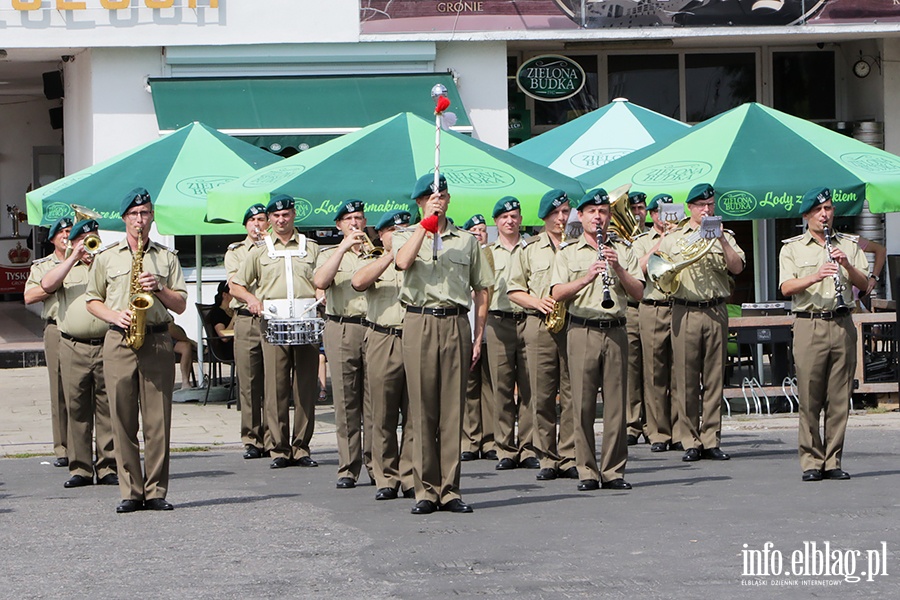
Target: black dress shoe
pixel 306 461
pixel 530 463
pixel 109 479
pixel 570 473
pixel 506 464
pixel 714 454
pixel 616 484
pixel 489 455
pixel 424 507
pixel 676 447
pixel 386 494
pixel 410 493
pixel 546 475
pixel 835 474
pixel 457 506
pixel 345 483
pixel 61 462
pixel 78 481
pixel 128 506
pixel 467 456
pixel 158 504
pixel 252 452
pixel 691 455
pixel 588 485
pixel 812 475
pixel 280 463
pixel 631 439
pixel 659 447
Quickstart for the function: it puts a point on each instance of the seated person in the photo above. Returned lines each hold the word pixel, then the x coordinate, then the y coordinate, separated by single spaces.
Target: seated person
pixel 186 351
pixel 222 317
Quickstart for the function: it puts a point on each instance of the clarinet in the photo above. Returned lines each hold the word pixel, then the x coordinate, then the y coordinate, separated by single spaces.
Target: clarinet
pixel 840 306
pixel 607 279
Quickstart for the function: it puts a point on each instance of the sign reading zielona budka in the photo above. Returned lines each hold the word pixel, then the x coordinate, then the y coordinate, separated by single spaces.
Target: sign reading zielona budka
pixel 110 4
pixel 550 78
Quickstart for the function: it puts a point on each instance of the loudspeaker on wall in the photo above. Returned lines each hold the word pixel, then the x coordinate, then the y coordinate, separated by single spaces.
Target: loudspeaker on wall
pixel 56 117
pixel 53 85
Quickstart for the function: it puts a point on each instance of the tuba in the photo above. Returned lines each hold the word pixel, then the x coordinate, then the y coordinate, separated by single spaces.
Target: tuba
pixel 556 319
pixel 92 242
pixel 664 272
pixel 621 221
pixel 140 301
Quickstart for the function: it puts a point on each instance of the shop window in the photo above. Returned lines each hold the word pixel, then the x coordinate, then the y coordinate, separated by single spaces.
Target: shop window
pixel 557 113
pixel 715 83
pixel 650 80
pixel 803 84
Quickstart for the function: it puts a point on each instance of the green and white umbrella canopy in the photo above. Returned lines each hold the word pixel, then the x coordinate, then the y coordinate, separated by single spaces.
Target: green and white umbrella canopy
pixel 177 169
pixel 761 161
pixel 599 137
pixel 380 164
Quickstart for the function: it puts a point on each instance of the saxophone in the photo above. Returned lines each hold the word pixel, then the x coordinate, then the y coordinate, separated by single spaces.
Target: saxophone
pixel 556 319
pixel 140 301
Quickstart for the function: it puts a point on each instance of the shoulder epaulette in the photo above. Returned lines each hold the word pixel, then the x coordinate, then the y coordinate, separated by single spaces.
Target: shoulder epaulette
pixel 325 249
pixel 41 260
pixel 107 247
pixel 849 237
pixel 614 238
pixel 796 238
pixel 235 245
pixel 728 231
pixel 640 235
pixel 530 241
pixel 161 247
pixel 565 244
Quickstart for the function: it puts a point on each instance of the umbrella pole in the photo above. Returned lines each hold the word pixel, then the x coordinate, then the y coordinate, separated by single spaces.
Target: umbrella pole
pixel 200 329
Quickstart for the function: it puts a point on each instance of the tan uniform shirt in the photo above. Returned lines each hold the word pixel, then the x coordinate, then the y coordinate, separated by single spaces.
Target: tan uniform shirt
pixel 531 272
pixel 708 278
pixel 267 273
pixel 39 268
pixel 341 300
pixel 74 318
pixel 110 278
pixel 573 262
pixel 447 282
pixel 640 247
pixel 504 260
pixel 803 255
pixel 235 256
pixel 382 299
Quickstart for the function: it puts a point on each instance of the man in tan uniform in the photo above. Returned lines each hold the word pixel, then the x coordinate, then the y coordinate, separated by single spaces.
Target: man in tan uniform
pixel 139 381
pixel 655 315
pixel 344 338
pixel 815 272
pixel 380 280
pixel 59 237
pixel 441 270
pixel 548 370
pixel 700 325
pixel 265 272
pixel 81 363
pixel 635 418
pixel 590 273
pixel 248 354
pixel 478 416
pixel 513 413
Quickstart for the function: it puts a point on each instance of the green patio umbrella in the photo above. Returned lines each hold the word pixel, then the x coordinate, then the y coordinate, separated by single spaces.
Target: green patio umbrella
pixel 380 163
pixel 599 137
pixel 761 162
pixel 177 169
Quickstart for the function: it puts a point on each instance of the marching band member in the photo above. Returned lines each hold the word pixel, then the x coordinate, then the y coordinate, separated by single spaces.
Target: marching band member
pixel 635 417
pixel 597 275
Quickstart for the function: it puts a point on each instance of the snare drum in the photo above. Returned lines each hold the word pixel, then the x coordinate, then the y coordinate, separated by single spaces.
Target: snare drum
pixel 294 332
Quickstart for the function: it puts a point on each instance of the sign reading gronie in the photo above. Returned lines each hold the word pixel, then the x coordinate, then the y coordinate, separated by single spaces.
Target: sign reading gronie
pixel 550 78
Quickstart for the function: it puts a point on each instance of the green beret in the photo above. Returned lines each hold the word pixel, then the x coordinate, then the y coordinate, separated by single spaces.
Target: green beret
pixel 598 197
pixel 659 199
pixel 136 197
pixel 256 209
pixel 473 221
pixel 814 198
pixel 551 201
pixel 394 217
pixel 88 226
pixel 701 191
pixel 61 223
pixel 636 197
pixel 506 204
pixel 279 202
pixel 349 207
pixel 425 185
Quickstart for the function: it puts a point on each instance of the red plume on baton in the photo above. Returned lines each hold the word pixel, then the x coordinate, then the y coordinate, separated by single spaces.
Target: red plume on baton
pixel 441 104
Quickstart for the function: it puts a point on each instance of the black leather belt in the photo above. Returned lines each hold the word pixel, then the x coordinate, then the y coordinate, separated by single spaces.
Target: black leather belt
pixel 515 316
pixel 386 330
pixel 161 328
pixel 633 304
pixel 657 302
pixel 89 341
pixel 701 304
pixel 50 322
pixel 441 311
pixel 243 312
pixel 825 316
pixel 596 323
pixel 353 320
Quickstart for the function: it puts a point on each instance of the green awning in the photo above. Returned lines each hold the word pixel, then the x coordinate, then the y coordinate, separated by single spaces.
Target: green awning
pixel 295 107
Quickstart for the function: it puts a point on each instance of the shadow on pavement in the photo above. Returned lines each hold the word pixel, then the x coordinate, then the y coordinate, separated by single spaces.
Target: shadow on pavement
pixel 226 501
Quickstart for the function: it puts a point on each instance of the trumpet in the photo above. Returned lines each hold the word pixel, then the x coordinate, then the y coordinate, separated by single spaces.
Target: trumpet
pixel 92 242
pixel 607 278
pixel 840 305
pixel 556 319
pixel 368 249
